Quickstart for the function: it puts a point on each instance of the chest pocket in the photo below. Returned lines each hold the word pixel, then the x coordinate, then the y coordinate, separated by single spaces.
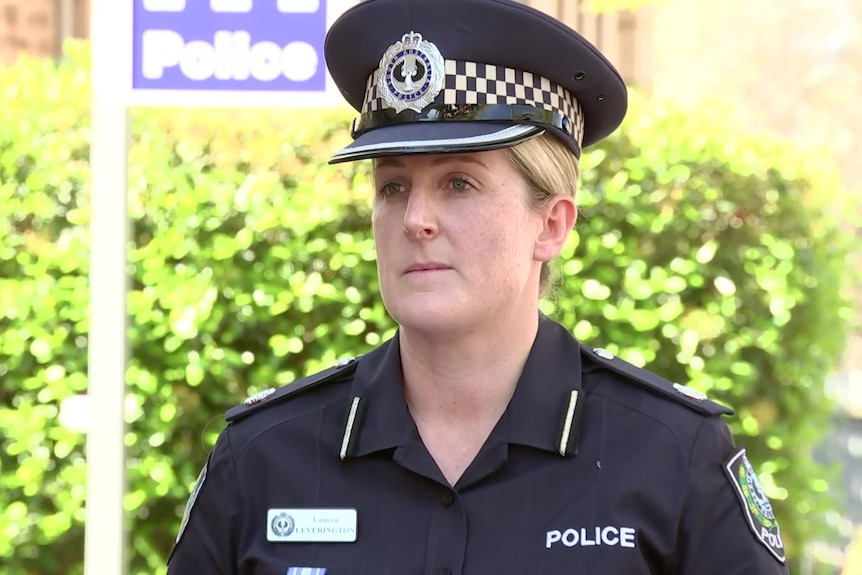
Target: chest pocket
pixel 604 550
pixel 592 560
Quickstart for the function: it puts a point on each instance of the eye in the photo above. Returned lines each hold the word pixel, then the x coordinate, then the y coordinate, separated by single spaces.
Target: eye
pixel 390 189
pixel 460 184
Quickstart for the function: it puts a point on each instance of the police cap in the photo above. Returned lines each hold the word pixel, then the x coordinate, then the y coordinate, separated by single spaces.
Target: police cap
pixel 435 76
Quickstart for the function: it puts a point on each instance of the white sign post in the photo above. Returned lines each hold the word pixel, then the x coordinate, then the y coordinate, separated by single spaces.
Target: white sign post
pixel 202 53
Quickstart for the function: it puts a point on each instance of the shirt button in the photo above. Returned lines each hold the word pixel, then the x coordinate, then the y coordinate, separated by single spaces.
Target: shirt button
pixel 447 500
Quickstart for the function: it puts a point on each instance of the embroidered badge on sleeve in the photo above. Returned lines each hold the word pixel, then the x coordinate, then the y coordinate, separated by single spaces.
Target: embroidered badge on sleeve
pixel 755 505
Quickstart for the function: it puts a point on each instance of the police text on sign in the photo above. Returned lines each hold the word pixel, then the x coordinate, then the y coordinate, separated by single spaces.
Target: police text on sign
pixel 230 56
pixel 230 45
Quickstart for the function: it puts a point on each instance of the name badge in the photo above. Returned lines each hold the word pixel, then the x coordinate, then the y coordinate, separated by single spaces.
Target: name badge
pixel 311 525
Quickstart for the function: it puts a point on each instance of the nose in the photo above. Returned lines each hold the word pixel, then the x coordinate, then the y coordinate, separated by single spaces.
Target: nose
pixel 420 218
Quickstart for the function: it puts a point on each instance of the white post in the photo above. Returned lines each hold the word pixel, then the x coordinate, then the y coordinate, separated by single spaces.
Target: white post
pixel 105 539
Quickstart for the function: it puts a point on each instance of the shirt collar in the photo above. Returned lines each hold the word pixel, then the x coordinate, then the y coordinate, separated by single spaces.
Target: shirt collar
pixel 536 415
pixel 378 383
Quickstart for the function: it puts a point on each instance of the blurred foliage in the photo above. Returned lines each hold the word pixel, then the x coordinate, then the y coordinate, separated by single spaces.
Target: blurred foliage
pixel 701 255
pixel 853 560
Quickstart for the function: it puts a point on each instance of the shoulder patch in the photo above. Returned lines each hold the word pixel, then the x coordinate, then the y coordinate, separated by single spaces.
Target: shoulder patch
pixel 755 505
pixel 689 397
pixel 269 397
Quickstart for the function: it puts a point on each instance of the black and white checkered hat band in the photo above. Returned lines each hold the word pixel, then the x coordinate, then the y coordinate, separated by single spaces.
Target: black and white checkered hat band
pixel 473 83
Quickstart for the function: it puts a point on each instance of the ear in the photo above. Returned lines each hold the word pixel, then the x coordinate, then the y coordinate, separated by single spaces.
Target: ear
pixel 559 217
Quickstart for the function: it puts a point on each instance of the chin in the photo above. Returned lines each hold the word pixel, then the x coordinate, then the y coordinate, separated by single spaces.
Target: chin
pixel 429 312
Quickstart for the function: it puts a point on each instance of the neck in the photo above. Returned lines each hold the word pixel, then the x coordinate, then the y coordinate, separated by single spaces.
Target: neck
pixel 468 377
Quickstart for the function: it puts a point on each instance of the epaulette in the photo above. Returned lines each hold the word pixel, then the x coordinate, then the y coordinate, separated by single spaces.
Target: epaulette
pixel 689 397
pixel 272 396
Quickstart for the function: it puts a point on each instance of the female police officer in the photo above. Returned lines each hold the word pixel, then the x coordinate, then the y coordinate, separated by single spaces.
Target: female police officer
pixel 482 439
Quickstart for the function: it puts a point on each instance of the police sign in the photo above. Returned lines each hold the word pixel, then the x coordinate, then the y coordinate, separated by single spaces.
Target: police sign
pixel 227 48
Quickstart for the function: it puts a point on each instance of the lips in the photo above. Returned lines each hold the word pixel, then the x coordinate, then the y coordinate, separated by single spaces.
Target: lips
pixel 426 267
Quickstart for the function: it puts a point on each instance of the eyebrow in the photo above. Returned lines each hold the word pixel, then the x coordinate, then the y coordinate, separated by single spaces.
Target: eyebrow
pixel 441 159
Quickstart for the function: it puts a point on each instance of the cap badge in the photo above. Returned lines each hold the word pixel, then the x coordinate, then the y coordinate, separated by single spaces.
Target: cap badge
pixel 410 74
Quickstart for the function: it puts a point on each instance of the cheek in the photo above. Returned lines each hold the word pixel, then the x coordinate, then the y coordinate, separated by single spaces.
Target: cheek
pixel 384 227
pixel 512 239
pixel 386 215
pixel 379 221
pixel 495 241
pixel 509 231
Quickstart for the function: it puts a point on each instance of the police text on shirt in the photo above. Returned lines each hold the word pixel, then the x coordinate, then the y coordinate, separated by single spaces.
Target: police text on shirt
pixel 611 536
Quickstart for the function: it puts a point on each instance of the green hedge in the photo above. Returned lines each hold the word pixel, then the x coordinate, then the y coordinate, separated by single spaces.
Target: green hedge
pixel 709 258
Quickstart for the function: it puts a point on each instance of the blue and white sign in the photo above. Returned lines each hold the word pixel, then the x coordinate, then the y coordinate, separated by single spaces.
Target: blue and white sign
pixel 222 46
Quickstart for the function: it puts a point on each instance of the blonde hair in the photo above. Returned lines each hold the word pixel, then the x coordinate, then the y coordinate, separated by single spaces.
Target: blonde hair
pixel 550 169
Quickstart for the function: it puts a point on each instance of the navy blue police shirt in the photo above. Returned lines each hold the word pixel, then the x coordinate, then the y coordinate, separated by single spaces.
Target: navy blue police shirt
pixel 596 467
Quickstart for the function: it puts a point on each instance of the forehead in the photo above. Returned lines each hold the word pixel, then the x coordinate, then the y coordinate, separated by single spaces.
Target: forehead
pixel 485 160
